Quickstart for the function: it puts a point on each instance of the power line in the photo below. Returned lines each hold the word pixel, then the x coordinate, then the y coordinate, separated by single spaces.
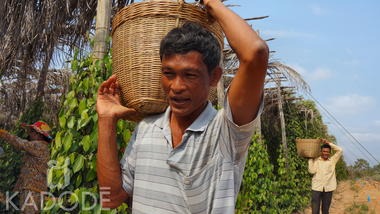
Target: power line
pixel 340 124
pixel 350 140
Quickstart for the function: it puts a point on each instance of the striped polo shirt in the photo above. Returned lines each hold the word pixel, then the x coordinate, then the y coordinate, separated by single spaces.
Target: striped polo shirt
pixel 201 175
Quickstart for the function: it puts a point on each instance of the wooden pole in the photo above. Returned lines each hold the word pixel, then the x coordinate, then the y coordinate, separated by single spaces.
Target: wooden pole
pixel 102 27
pixel 282 117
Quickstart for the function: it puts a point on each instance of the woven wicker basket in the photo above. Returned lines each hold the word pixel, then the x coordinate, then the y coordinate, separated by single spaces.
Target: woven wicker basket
pixel 308 148
pixel 137 31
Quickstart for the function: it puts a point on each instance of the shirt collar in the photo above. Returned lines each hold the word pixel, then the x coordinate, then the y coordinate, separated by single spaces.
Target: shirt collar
pixel 198 125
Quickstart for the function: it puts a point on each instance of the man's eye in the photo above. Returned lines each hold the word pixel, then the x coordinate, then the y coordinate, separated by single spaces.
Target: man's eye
pixel 168 73
pixel 191 75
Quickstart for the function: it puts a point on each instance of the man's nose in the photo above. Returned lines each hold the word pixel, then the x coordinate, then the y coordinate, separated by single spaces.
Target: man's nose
pixel 178 85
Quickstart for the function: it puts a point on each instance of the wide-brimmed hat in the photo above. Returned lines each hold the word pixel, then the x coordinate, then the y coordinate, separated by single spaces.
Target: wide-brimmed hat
pixel 40 127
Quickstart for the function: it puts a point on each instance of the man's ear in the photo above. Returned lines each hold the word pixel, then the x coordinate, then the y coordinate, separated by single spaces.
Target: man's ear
pixel 216 74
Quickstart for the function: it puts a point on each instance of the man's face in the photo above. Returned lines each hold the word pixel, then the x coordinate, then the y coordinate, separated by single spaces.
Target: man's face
pixel 325 153
pixel 34 135
pixel 186 83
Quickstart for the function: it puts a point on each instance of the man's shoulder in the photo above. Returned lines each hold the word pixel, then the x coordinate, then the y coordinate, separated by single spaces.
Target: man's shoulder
pixel 151 121
pixel 152 118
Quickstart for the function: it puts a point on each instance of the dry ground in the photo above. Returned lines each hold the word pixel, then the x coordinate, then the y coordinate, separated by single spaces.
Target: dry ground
pixel 356 197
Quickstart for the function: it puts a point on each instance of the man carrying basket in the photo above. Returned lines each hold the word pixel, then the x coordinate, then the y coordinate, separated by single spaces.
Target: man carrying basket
pixel 324 179
pixel 191 158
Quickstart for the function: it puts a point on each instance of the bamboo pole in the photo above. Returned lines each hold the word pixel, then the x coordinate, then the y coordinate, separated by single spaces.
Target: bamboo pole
pixel 102 27
pixel 282 118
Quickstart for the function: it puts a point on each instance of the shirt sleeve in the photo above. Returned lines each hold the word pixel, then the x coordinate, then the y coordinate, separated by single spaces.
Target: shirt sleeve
pixel 239 136
pixel 312 168
pixel 128 164
pixel 32 147
pixel 338 152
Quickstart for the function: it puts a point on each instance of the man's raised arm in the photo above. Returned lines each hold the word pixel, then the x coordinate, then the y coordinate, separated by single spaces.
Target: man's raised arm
pixel 338 152
pixel 109 112
pixel 246 90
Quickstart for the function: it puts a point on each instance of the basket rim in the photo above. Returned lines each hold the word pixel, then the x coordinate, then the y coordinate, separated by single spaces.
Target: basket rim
pixel 145 5
pixel 308 140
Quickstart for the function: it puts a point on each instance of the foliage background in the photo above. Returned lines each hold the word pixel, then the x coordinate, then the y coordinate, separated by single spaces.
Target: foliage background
pixel 74 148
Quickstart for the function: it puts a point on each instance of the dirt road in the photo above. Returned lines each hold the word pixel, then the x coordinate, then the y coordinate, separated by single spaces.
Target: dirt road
pixel 356 197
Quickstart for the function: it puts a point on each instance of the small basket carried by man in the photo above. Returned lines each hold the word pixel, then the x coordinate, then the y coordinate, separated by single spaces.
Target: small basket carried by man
pixel 309 148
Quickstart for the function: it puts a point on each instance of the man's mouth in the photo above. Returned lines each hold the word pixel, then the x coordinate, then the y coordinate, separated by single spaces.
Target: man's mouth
pixel 179 100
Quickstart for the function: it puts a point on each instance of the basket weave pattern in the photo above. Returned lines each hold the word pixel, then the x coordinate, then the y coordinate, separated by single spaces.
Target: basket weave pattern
pixel 308 148
pixel 137 32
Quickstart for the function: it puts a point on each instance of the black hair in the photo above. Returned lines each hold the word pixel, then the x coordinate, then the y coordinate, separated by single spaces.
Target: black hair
pixel 192 37
pixel 325 146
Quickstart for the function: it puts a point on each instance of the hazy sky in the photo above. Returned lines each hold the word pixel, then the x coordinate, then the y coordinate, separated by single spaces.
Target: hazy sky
pixel 335 46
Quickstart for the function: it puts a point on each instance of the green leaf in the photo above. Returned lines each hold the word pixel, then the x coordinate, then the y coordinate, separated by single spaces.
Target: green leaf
pixel 82 106
pixel 50 176
pixel 73 103
pixel 90 102
pixel 60 160
pixel 97 209
pixel 72 157
pixel 85 85
pixel 95 118
pixel 91 175
pixel 62 121
pixel 67 141
pixel 86 143
pixel 78 164
pixel 78 180
pixel 74 197
pixel 82 64
pixel 70 95
pixel 74 147
pixel 94 140
pixel 74 65
pixel 126 135
pixel 83 122
pixel 71 122
pixel 58 140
